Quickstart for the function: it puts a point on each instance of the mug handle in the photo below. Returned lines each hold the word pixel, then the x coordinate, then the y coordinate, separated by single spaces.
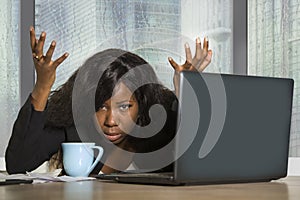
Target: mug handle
pixel 97 159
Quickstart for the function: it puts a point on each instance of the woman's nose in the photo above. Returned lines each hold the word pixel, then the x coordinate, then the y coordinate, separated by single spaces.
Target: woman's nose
pixel 110 118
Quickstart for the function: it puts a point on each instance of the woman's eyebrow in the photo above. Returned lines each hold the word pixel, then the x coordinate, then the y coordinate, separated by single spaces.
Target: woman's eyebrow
pixel 125 101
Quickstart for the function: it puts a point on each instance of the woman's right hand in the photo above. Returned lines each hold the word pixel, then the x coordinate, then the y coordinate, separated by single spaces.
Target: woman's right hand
pixel 199 62
pixel 45 69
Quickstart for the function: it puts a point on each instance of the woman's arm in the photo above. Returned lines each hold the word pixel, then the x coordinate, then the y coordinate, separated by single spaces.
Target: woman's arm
pixel 45 69
pixel 31 142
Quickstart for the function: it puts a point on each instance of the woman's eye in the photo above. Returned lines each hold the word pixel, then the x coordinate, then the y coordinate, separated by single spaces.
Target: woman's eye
pixel 124 107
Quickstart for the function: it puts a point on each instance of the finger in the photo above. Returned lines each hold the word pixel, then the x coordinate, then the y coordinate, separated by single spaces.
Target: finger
pixel 205 46
pixel 50 52
pixel 59 60
pixel 32 38
pixel 188 52
pixel 198 55
pixel 173 64
pixel 199 63
pixel 199 51
pixel 40 44
pixel 206 61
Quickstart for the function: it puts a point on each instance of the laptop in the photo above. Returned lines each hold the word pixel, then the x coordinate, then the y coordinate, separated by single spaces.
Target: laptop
pixel 230 129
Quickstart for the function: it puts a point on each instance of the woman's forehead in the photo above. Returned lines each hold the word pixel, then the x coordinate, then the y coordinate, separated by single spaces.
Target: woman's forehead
pixel 122 93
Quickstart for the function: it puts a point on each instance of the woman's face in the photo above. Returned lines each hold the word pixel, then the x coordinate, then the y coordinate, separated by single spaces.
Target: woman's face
pixel 118 115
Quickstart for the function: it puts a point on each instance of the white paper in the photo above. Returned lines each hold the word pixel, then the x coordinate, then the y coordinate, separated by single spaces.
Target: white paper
pixel 45 177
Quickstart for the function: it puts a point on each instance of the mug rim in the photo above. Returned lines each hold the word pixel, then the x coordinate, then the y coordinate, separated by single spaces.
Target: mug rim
pixel 78 143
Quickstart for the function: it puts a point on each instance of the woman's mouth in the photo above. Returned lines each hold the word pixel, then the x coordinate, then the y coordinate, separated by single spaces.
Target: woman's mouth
pixel 113 137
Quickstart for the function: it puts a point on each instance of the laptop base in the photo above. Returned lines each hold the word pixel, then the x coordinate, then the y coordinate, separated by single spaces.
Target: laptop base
pixel 162 178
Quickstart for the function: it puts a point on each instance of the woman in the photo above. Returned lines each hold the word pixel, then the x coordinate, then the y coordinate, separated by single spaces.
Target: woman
pixel 114 82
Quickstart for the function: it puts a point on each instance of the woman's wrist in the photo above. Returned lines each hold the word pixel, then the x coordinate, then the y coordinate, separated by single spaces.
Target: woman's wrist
pixel 39 97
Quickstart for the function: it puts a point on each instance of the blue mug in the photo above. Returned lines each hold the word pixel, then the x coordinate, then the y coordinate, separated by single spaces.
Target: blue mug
pixel 78 158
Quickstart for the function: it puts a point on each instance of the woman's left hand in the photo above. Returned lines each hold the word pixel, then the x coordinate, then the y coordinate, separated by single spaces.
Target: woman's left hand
pixel 199 62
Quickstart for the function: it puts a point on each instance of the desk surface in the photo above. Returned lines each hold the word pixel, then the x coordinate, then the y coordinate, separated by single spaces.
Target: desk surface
pixel 287 188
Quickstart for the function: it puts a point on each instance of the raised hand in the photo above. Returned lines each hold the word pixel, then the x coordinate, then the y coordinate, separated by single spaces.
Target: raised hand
pixel 45 69
pixel 199 62
pixel 44 65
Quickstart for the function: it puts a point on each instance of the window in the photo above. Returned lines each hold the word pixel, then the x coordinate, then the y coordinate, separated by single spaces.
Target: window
pixel 274 49
pixel 151 28
pixel 9 69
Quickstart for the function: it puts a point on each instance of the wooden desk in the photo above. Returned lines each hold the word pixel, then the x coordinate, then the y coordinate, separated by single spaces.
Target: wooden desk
pixel 288 188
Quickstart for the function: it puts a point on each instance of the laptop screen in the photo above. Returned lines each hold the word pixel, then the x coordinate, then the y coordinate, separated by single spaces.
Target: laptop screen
pixel 232 127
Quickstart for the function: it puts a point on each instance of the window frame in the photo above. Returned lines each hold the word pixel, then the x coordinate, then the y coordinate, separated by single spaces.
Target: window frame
pixel 240 35
pixel 27 72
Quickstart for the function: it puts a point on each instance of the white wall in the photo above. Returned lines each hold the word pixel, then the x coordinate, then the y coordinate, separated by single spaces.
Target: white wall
pixel 294 166
pixel 2 164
